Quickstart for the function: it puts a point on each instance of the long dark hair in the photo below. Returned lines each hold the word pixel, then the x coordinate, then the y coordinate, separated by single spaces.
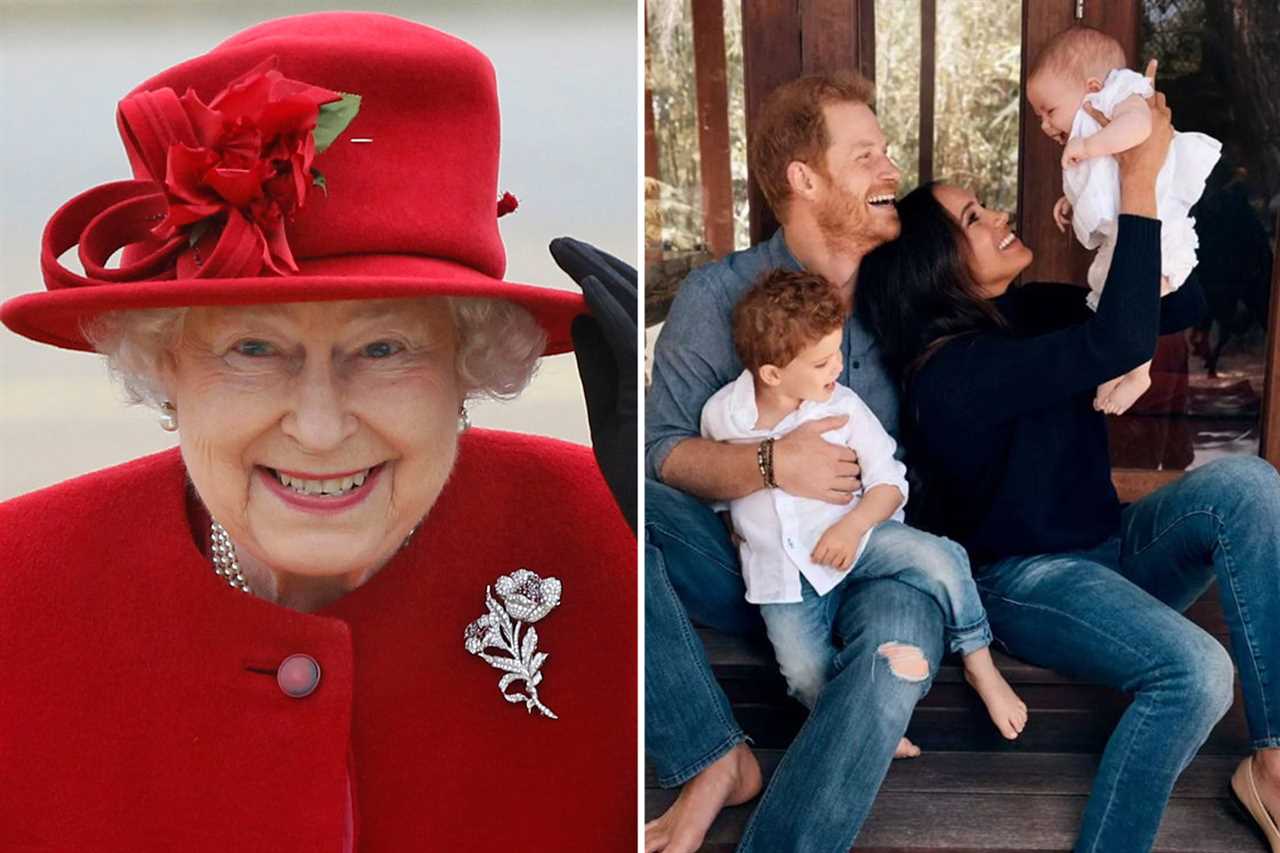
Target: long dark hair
pixel 915 293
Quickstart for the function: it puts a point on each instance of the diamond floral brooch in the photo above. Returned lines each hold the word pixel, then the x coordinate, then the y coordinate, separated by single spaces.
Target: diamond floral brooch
pixel 526 598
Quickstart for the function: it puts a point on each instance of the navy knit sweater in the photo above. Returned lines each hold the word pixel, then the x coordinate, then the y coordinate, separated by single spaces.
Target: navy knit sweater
pixel 1002 425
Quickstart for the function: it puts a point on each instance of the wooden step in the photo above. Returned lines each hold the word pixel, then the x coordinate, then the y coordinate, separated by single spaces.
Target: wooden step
pixel 984 801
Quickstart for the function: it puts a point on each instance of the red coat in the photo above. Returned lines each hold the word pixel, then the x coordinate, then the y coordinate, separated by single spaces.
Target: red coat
pixel 139 709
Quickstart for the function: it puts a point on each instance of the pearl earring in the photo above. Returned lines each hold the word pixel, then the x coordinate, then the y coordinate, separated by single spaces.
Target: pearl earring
pixel 464 421
pixel 169 417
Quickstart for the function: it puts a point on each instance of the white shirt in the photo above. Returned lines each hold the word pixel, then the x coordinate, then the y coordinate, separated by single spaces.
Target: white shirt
pixel 779 531
pixel 1093 188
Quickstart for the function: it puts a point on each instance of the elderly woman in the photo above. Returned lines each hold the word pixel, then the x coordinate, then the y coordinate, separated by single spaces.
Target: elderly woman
pixel 999 387
pixel 334 618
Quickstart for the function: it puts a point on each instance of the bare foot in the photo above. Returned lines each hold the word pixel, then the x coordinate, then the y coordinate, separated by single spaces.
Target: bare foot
pixel 733 779
pixel 906 749
pixel 1007 711
pixel 1104 391
pixel 1126 392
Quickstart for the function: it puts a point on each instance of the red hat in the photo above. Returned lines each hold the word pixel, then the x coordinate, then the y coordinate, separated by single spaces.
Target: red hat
pixel 337 155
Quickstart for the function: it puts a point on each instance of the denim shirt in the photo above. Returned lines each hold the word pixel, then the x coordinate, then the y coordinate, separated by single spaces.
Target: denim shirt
pixel 694 355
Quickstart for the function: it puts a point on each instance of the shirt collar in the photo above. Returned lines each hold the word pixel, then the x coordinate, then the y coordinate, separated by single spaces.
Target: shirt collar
pixel 742 402
pixel 780 254
pixel 745 415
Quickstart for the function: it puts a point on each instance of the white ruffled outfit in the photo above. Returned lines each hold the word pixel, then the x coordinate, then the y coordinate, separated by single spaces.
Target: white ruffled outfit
pixel 1093 188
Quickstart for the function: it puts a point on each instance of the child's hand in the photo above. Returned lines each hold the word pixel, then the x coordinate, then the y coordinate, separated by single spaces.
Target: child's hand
pixel 1074 154
pixel 1062 214
pixel 839 545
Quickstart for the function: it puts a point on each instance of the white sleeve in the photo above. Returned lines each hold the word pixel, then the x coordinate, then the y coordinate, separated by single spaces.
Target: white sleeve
pixel 1120 85
pixel 716 423
pixel 875 448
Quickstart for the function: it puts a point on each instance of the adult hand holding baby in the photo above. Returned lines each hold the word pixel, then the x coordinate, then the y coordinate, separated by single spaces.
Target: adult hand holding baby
pixel 808 466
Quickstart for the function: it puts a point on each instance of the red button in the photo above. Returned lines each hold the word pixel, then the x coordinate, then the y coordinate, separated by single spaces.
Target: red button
pixel 298 675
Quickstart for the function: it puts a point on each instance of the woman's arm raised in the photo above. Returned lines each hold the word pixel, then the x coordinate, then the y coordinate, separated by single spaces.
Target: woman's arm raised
pixel 990 378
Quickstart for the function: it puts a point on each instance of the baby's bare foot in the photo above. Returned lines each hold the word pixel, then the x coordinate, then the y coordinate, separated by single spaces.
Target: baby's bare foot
pixel 906 749
pixel 1007 711
pixel 1104 393
pixel 733 779
pixel 1126 393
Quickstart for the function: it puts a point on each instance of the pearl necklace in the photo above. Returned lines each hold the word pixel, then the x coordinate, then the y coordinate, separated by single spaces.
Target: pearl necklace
pixel 225 563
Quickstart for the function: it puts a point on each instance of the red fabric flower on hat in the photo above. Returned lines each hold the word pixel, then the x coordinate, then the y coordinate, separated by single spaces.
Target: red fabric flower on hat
pixel 255 144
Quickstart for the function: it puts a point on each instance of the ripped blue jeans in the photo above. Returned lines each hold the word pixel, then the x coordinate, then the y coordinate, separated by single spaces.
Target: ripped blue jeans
pixel 801 633
pixel 823 787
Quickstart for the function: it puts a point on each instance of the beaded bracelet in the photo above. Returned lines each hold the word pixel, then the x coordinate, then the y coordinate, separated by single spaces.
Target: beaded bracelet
pixel 764 460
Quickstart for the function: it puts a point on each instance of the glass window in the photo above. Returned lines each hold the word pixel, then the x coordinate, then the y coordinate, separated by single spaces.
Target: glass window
pixel 1207 382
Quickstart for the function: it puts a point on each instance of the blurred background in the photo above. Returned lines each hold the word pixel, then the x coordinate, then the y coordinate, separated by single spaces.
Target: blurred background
pixel 567 86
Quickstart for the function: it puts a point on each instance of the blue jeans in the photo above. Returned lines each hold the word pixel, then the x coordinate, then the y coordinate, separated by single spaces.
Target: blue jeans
pixel 1111 615
pixel 823 787
pixel 801 631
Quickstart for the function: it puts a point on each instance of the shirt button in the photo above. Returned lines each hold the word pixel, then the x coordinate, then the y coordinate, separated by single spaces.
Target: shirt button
pixel 857 364
pixel 298 675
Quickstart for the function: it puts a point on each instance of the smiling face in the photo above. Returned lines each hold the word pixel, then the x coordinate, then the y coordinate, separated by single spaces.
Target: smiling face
pixel 1056 100
pixel 812 374
pixel 318 434
pixel 992 253
pixel 854 190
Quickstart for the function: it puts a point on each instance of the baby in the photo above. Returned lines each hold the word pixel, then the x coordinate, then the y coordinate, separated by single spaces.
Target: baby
pixel 1081 66
pixel 798 551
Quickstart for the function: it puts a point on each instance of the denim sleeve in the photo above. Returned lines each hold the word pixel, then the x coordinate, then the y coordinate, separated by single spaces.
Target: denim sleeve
pixel 693 358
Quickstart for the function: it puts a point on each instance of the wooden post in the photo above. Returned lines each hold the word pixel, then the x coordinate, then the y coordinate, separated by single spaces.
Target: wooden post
pixel 828 35
pixel 867 39
pixel 783 39
pixel 1270 428
pixel 770 57
pixel 928 78
pixel 713 125
pixel 652 249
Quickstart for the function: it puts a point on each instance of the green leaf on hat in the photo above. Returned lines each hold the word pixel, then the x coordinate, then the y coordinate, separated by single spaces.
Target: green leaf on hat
pixel 198 230
pixel 318 180
pixel 334 118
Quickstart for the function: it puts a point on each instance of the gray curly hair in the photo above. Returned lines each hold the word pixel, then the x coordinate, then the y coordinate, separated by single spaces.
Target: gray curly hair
pixel 499 344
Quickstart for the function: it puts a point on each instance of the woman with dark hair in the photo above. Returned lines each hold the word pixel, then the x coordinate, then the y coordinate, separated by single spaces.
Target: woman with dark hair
pixel 999 420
